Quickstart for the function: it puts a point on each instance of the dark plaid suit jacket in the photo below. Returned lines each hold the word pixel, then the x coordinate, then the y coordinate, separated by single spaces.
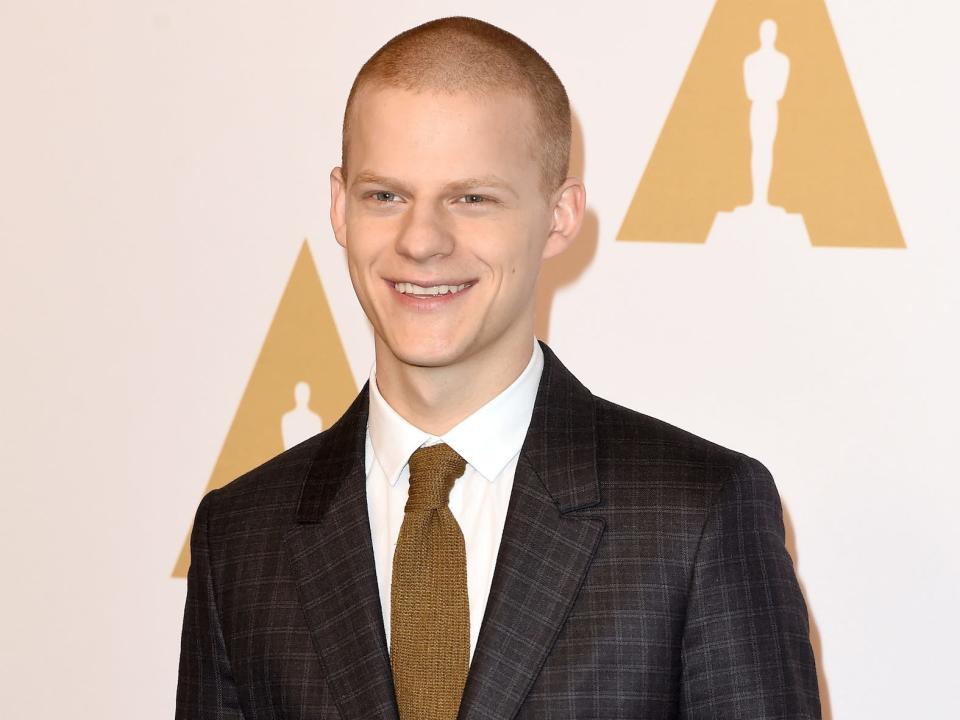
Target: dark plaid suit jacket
pixel 642 574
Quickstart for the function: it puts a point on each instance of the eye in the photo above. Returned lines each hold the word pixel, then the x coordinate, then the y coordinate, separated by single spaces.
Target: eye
pixel 385 196
pixel 473 199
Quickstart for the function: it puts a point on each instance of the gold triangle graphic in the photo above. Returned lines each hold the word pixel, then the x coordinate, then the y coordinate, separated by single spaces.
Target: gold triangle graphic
pixel 824 166
pixel 302 345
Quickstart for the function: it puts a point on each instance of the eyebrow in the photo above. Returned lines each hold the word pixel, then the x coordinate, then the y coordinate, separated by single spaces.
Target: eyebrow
pixel 369 178
pixel 483 181
pixel 462 185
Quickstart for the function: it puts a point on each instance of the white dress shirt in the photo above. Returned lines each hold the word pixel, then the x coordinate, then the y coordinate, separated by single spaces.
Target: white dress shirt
pixel 489 440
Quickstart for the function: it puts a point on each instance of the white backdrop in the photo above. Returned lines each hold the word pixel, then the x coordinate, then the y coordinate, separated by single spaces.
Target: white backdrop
pixel 161 163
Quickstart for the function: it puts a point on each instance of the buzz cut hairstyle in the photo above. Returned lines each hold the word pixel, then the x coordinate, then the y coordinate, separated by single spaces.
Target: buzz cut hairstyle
pixel 462 54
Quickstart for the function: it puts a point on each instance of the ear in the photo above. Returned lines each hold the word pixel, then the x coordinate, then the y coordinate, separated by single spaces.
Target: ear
pixel 338 205
pixel 569 203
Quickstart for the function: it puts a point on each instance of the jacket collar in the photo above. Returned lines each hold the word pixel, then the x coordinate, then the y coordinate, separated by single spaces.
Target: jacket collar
pixel 560 445
pixel 338 463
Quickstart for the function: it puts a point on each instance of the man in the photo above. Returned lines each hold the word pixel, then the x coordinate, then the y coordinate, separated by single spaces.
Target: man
pixel 478 534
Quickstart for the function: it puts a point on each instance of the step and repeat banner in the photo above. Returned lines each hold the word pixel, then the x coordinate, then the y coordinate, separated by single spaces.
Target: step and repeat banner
pixel 176 310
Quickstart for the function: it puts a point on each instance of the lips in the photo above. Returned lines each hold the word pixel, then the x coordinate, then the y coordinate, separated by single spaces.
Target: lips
pixel 425 295
pixel 409 288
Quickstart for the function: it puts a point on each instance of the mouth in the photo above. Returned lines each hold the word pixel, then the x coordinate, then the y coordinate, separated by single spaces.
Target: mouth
pixel 428 298
pixel 428 292
pixel 409 288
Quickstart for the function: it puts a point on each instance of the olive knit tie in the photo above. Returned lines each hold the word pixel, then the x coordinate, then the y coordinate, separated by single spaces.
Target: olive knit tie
pixel 429 617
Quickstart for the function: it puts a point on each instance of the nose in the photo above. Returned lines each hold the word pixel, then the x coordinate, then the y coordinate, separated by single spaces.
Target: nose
pixel 424 234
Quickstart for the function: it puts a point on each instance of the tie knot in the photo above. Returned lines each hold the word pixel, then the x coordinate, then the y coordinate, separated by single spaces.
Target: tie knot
pixel 433 470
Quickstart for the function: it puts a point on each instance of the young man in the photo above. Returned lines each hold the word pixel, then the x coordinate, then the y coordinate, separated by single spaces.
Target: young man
pixel 478 534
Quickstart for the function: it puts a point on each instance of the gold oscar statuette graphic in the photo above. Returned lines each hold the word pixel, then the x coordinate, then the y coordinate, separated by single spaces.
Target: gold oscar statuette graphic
pixel 301 382
pixel 766 101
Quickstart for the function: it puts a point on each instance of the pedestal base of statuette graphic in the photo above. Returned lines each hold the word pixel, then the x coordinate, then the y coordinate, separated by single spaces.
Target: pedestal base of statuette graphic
pixel 763 228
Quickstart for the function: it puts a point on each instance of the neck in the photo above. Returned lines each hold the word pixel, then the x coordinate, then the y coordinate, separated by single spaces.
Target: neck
pixel 435 399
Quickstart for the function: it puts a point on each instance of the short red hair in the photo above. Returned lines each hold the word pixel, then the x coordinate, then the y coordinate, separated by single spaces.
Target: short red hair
pixel 461 54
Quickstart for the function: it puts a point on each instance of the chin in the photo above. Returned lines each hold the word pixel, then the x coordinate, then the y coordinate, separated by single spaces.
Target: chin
pixel 419 357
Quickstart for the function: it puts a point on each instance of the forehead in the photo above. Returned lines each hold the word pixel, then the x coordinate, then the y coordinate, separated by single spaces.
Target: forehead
pixel 396 131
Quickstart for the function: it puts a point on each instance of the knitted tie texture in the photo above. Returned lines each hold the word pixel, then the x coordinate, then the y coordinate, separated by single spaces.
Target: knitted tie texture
pixel 429 617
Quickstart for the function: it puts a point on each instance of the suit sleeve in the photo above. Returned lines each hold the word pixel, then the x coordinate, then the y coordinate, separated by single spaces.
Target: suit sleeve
pixel 205 688
pixel 746 650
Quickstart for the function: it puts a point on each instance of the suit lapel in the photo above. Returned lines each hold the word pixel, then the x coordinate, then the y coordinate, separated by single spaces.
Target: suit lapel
pixel 331 554
pixel 546 548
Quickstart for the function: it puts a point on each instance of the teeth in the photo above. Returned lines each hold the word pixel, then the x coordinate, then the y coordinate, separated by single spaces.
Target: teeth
pixel 411 289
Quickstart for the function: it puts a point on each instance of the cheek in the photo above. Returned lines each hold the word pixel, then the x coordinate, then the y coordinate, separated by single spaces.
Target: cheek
pixel 366 242
pixel 518 266
pixel 509 243
pixel 360 264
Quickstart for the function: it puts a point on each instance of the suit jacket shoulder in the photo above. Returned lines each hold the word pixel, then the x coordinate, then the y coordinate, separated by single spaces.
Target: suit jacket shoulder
pixel 624 425
pixel 628 440
pixel 269 494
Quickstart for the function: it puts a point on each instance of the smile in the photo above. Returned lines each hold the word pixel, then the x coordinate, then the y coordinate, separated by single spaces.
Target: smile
pixel 428 291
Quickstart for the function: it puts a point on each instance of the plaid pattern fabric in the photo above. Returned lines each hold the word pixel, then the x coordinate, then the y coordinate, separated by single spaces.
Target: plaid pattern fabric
pixel 642 574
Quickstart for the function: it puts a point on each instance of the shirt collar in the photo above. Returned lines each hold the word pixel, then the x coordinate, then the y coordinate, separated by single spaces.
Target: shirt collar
pixel 487 439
